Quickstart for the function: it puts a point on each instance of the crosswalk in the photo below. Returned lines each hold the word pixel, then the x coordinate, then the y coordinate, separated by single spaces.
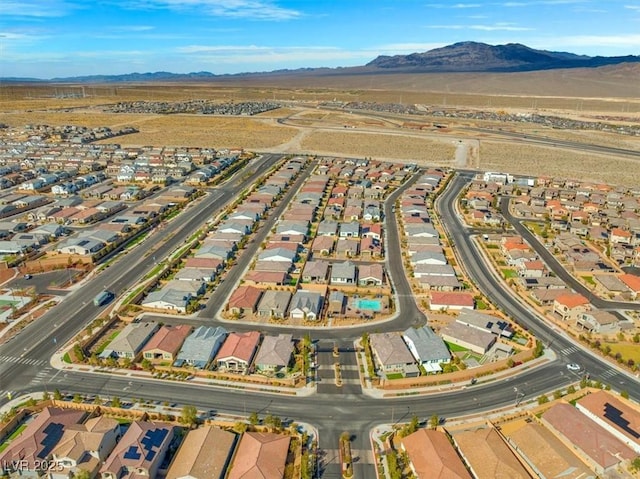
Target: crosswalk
pixel 27 361
pixel 609 374
pixel 572 349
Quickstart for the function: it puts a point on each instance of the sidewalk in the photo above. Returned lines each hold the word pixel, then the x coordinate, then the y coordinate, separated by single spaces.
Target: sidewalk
pixel 548 356
pixel 58 363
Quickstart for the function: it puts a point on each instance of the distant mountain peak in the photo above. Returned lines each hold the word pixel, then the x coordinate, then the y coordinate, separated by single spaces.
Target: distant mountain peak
pixel 472 56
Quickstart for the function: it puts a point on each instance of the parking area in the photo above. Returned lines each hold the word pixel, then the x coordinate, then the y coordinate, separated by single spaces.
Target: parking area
pixel 46 283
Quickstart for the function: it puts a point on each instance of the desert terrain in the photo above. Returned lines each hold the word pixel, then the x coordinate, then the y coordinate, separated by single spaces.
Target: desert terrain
pixel 316 117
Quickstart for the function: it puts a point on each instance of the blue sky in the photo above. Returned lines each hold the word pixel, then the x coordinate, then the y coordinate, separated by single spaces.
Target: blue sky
pixel 58 38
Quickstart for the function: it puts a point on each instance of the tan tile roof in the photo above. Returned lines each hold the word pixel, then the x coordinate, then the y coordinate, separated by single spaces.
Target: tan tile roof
pixel 488 455
pixel 433 457
pixel 601 446
pixel 616 413
pixel 40 437
pixel 203 454
pixel 260 455
pixel 168 338
pixel 548 454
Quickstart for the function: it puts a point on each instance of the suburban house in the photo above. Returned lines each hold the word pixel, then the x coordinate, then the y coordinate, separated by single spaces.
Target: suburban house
pixel 315 271
pixel 167 299
pixel 260 455
pixel 336 303
pixel 598 321
pixel 165 343
pixel 427 348
pixel 278 254
pixel 200 347
pixel 343 273
pixel 130 340
pixel 633 283
pixel 392 354
pixel 84 447
pixel 602 450
pixel 349 230
pixel 305 305
pixel 244 300
pixel 485 322
pixel 614 414
pixel 322 245
pixel 139 452
pixel 327 228
pixel 274 304
pixel 274 354
pixel 570 305
pixel 531 269
pixel 27 452
pixel 451 301
pixel 431 455
pixel 370 274
pixel 205 453
pixel 237 352
pixel 470 338
pixel 428 257
pixel 486 453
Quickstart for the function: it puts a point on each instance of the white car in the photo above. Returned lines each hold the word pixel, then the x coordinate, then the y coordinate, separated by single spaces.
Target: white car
pixel 573 367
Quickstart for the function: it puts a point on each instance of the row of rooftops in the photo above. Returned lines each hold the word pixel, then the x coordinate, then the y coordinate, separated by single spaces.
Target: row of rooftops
pixel 71 442
pixel 601 430
pixel 200 348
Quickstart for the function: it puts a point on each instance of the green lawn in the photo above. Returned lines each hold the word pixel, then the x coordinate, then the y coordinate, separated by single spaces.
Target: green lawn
pixel 589 280
pixel 13 435
pixel 454 348
pixel 66 358
pixel 481 304
pixel 509 273
pixel 394 376
pixel 628 350
pixel 106 342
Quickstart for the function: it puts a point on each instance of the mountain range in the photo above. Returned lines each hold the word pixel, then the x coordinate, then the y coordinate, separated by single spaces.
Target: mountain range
pixel 460 57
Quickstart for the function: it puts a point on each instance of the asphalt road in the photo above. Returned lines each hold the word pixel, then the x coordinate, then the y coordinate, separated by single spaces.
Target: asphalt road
pixel 26 370
pixel 555 266
pixel 567 350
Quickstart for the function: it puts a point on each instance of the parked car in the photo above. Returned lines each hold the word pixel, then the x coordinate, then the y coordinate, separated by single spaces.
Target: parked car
pixel 27 276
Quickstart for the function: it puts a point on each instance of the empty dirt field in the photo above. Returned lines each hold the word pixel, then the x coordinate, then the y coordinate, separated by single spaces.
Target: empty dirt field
pixel 539 160
pixel 301 127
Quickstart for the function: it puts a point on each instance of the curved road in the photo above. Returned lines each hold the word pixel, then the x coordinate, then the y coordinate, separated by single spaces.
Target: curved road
pixel 26 370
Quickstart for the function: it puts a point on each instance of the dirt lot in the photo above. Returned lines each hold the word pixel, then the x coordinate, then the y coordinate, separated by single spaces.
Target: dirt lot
pixel 301 127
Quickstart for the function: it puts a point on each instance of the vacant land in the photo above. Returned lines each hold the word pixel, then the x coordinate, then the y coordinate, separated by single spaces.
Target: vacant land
pixel 539 160
pixel 300 126
pixel 381 146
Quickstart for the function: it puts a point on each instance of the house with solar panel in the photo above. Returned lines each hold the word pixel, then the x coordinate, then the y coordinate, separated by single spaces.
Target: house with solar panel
pixel 26 454
pixel 139 452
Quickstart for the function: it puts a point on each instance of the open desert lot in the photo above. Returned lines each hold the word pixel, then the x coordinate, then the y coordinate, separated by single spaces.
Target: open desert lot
pixel 304 125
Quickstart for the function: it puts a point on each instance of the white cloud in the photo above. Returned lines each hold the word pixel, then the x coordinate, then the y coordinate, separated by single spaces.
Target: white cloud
pixel 34 8
pixel 249 9
pixel 633 7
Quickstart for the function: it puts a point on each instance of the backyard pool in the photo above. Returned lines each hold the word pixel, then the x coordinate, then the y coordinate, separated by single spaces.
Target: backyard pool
pixel 368 304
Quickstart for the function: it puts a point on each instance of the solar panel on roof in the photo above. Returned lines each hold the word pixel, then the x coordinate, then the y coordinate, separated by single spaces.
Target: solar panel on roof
pixel 153 439
pixel 132 453
pixel 614 415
